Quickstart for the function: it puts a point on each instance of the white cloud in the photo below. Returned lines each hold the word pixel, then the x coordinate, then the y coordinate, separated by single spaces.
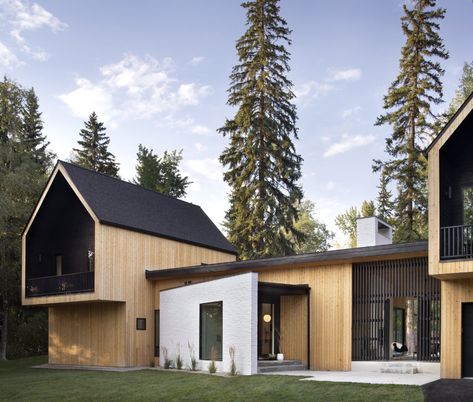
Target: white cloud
pixel 196 60
pixel 350 112
pixel 7 57
pixel 350 74
pixel 347 143
pixel 88 97
pixel 200 147
pixel 201 130
pixel 311 90
pixel 210 168
pixel 135 87
pixel 22 16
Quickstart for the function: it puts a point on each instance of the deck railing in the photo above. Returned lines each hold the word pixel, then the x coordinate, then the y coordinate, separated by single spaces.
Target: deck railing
pixel 456 242
pixel 58 285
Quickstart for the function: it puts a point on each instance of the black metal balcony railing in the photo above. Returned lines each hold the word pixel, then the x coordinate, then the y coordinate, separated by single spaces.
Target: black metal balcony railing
pixel 456 242
pixel 58 285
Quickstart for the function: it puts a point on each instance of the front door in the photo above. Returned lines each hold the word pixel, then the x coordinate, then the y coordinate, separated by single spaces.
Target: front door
pixel 266 330
pixel 467 340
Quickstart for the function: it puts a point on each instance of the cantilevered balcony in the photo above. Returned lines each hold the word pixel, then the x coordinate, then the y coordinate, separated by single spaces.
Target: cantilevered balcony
pixel 456 242
pixel 60 284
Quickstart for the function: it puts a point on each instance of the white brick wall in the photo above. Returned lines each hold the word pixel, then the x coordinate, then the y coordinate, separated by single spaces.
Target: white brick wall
pixel 179 320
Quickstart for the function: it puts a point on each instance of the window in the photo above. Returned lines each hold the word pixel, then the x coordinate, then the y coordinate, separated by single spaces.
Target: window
pixel 156 333
pixel 141 324
pixel 468 206
pixel 58 265
pixel 211 321
pixel 90 260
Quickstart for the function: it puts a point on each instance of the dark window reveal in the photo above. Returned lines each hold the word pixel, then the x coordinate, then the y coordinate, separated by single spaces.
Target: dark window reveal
pixel 211 320
pixel 141 324
pixel 156 333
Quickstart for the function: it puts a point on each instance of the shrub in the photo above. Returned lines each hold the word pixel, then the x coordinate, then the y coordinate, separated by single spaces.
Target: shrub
pixel 213 357
pixel 193 359
pixel 167 361
pixel 179 362
pixel 233 369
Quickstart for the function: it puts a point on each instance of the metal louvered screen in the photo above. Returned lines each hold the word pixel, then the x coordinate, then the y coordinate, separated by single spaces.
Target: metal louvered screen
pixel 375 284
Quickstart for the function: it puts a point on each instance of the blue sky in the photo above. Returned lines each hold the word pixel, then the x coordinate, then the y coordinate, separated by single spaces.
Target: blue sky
pixel 157 73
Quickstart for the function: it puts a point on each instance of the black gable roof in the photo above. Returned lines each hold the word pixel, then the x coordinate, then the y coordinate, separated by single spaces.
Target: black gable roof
pixel 119 203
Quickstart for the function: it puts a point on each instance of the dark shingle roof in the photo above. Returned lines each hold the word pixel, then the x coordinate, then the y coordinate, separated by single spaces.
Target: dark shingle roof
pixel 119 203
pixel 351 255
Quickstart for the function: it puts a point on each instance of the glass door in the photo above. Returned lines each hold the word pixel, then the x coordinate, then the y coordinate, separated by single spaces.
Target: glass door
pixel 266 330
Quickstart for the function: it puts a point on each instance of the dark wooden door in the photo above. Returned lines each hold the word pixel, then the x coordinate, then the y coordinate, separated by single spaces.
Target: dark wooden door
pixel 467 340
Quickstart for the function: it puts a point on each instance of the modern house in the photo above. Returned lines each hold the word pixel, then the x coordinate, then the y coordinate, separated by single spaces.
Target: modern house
pixel 131 277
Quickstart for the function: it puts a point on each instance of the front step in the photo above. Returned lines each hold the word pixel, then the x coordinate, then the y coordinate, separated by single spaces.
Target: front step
pixel 274 366
pixel 399 368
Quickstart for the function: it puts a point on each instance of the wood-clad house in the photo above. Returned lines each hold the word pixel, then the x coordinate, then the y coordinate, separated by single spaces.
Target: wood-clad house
pixel 451 238
pixel 133 278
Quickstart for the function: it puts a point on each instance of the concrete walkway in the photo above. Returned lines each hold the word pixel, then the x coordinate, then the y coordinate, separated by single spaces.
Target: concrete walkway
pixel 363 377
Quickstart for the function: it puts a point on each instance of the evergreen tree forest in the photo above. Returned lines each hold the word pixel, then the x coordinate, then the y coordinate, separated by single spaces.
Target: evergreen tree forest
pixel 408 106
pixel 25 162
pixel 261 164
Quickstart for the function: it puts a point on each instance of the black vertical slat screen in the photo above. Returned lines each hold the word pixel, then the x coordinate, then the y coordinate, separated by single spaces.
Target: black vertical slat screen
pixel 374 284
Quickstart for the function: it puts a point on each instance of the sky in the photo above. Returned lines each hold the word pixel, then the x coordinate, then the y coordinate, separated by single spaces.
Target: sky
pixel 156 73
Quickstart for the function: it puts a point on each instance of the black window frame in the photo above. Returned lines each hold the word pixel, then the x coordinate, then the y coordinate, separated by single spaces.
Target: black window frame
pixel 201 307
pixel 141 324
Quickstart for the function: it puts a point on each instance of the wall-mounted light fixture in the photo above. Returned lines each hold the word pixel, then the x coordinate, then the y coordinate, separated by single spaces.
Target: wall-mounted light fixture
pixel 267 318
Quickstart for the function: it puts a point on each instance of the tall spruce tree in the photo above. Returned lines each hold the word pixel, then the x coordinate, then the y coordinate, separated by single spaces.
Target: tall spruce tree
pixel 93 153
pixel 385 205
pixel 408 104
pixel 262 166
pixel 161 174
pixel 32 137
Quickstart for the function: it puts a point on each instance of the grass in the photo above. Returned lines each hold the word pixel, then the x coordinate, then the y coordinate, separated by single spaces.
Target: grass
pixel 20 382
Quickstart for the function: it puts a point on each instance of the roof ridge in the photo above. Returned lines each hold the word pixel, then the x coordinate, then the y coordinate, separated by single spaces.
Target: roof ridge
pixel 128 182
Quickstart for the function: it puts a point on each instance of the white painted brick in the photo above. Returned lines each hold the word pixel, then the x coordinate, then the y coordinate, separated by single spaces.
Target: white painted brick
pixel 179 320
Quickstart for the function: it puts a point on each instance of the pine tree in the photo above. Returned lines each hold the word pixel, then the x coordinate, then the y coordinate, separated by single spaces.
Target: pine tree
pixel 262 166
pixel 464 90
pixel 346 222
pixel 161 174
pixel 408 104
pixel 32 132
pixel 385 204
pixel 317 235
pixel 94 153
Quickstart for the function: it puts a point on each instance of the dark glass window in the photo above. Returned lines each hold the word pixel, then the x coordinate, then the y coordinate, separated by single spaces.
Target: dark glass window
pixel 156 333
pixel 211 320
pixel 141 324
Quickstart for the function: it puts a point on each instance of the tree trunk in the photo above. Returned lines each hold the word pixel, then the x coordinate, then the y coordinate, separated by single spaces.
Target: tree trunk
pixel 3 334
pixel 410 335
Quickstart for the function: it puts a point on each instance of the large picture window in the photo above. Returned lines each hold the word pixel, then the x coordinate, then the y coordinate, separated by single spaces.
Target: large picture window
pixel 211 320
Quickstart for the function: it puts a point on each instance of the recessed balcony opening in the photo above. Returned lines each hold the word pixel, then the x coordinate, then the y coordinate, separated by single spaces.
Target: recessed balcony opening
pixel 456 194
pixel 60 249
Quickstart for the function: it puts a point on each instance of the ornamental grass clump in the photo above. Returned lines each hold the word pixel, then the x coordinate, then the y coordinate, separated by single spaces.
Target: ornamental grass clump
pixel 193 359
pixel 233 369
pixel 167 361
pixel 179 362
pixel 213 357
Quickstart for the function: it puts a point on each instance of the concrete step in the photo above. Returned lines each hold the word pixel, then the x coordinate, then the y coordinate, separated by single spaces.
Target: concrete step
pixel 273 363
pixel 399 368
pixel 274 366
pixel 276 369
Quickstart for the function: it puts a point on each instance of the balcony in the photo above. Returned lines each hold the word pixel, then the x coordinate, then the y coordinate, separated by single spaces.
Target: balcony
pixel 60 285
pixel 456 242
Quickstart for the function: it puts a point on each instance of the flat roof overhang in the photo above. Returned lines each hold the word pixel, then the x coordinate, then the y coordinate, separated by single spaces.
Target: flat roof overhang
pixel 351 255
pixel 282 289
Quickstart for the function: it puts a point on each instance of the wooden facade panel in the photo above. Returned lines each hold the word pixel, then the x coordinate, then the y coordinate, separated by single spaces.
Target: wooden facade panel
pixel 293 322
pixel 454 293
pixel 87 334
pixel 121 259
pixel 330 311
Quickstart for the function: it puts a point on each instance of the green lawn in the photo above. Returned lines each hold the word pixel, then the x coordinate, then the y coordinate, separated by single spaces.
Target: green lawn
pixel 19 382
